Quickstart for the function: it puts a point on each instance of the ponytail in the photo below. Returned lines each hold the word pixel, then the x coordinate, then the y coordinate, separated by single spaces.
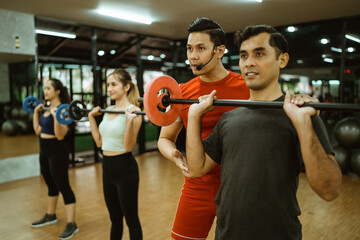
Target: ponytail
pixel 64 94
pixel 133 94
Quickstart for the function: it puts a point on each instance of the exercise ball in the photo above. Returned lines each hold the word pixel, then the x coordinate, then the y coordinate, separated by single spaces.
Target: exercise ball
pixel 23 113
pixel 30 117
pixel 24 126
pixel 10 128
pixel 355 162
pixel 342 156
pixel 347 132
pixel 15 113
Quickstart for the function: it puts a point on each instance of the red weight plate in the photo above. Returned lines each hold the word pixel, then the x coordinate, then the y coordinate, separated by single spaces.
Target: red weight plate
pixel 151 100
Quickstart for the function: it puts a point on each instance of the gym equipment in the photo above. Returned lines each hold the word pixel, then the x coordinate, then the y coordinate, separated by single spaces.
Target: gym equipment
pixel 77 110
pixel 10 128
pixel 355 162
pixel 15 113
pixel 30 117
pixel 62 114
pixel 24 126
pixel 23 113
pixel 164 108
pixel 347 132
pixel 152 102
pixel 67 113
pixel 342 156
pixel 30 103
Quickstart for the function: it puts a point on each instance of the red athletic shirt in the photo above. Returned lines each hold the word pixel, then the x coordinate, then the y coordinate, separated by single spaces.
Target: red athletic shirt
pixel 231 87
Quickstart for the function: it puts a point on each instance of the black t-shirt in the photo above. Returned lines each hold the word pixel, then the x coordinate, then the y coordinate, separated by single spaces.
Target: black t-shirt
pixel 259 153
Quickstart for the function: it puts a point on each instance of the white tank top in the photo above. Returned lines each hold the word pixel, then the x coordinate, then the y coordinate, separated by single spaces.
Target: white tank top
pixel 113 132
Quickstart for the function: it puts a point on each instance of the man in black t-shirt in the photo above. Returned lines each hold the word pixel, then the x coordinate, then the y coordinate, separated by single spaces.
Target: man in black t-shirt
pixel 262 150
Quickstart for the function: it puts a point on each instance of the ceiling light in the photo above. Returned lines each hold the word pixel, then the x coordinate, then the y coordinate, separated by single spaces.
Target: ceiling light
pixel 350 49
pixel 334 82
pixel 291 29
pixel 125 16
pixel 259 1
pixel 336 49
pixel 329 60
pixel 56 34
pixel 351 37
pixel 163 55
pixel 171 64
pixel 324 41
pixel 300 61
pixel 187 62
pixel 150 58
pixel 101 52
pixel 112 52
pixel 318 82
pixel 226 50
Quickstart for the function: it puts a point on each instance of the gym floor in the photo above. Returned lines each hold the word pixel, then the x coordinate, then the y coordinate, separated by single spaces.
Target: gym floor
pixel 23 201
pixel 18 145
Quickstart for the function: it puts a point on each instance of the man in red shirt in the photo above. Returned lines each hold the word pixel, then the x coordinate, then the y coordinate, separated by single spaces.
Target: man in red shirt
pixel 205 48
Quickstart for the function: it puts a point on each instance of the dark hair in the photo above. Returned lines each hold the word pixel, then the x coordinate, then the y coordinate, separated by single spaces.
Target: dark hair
pixel 64 95
pixel 206 25
pixel 277 40
pixel 124 77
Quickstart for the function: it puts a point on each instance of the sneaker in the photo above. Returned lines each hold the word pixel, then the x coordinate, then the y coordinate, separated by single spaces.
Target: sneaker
pixel 48 219
pixel 70 230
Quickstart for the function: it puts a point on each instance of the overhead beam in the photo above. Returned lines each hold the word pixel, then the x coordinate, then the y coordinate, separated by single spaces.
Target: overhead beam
pixel 102 41
pixel 123 50
pixel 62 60
pixel 45 19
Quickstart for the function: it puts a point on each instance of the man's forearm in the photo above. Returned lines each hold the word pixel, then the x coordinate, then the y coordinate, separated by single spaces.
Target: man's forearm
pixel 195 153
pixel 323 172
pixel 166 147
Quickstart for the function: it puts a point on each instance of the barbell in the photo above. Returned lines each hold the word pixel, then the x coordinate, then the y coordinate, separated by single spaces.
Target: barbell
pixel 77 110
pixel 67 113
pixel 163 98
pixel 30 103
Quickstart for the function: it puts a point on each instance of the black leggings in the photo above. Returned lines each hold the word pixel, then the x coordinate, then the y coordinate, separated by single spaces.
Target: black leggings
pixel 54 164
pixel 121 185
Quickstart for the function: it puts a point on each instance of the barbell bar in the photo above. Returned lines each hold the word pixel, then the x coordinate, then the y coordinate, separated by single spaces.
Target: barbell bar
pixel 67 113
pixel 77 110
pixel 153 102
pixel 167 101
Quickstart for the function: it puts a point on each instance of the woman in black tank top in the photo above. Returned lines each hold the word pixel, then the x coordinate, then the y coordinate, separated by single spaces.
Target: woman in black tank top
pixel 54 157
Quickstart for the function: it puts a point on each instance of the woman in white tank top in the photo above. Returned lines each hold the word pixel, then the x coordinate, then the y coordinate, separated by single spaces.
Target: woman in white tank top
pixel 116 135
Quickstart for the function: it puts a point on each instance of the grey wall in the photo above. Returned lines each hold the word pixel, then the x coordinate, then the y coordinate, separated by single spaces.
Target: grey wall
pixel 4 83
pixel 14 24
pixel 20 26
